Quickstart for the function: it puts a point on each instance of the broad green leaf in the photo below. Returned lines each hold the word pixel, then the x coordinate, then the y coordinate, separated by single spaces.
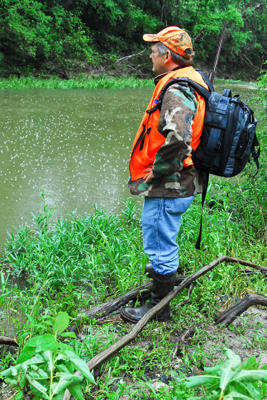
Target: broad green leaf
pixel 19 396
pixel 210 397
pixel 193 381
pixel 49 320
pixel 80 365
pixel 264 389
pixel 38 386
pixel 69 334
pixel 246 388
pixel 60 357
pixel 33 374
pixel 264 367
pixel 38 359
pixel 64 381
pixel 13 371
pixel 236 396
pixel 76 391
pixel 61 323
pixel 229 353
pixel 250 364
pixel 251 376
pixel 39 374
pixel 11 381
pixel 23 380
pixel 28 350
pixel 59 396
pixel 229 369
pixel 63 368
pixel 46 342
pixel 42 373
pixel 216 368
pixel 48 356
pixel 64 346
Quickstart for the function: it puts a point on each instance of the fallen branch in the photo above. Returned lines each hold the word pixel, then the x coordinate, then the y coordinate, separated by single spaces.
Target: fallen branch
pixel 8 340
pixel 113 349
pixel 230 315
pixel 109 307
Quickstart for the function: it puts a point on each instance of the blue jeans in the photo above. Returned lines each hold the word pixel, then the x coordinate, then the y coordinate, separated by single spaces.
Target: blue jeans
pixel 161 220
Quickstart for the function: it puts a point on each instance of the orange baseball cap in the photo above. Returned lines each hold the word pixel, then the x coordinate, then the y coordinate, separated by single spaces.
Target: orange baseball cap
pixel 176 39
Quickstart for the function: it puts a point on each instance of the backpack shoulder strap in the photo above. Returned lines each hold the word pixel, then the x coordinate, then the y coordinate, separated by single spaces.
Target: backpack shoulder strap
pixel 186 82
pixel 205 79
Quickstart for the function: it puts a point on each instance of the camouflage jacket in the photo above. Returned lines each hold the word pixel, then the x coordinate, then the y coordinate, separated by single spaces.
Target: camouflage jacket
pixel 172 180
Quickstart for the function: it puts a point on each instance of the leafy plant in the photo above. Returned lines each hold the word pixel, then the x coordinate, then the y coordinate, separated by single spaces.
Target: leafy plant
pixel 47 366
pixel 232 380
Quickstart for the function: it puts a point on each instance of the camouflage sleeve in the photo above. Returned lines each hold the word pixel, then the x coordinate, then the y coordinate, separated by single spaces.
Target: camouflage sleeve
pixel 178 109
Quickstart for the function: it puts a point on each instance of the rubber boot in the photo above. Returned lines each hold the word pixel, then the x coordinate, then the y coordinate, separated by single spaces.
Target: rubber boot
pixel 162 285
pixel 149 270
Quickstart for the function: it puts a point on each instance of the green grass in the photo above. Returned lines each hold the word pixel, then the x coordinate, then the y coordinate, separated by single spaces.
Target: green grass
pixel 81 82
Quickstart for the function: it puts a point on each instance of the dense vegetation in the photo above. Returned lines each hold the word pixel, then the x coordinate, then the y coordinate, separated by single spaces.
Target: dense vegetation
pixel 69 36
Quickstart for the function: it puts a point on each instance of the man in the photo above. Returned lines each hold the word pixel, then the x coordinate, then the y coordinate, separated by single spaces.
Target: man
pixel 161 168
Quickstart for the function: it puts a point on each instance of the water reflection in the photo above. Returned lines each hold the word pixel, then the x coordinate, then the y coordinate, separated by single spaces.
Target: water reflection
pixel 73 143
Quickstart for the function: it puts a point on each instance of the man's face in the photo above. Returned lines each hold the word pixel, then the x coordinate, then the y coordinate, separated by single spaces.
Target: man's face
pixel 157 60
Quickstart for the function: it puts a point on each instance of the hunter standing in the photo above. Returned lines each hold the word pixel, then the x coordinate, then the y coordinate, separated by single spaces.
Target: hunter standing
pixel 161 168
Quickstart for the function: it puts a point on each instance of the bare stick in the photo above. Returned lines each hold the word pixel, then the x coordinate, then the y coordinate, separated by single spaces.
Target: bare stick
pixel 8 341
pixel 132 55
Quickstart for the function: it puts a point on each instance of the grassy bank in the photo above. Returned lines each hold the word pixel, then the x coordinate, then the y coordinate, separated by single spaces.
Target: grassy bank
pixel 81 82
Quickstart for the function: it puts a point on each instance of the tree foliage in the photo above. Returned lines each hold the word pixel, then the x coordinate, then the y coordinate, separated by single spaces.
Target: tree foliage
pixel 31 32
pixel 34 32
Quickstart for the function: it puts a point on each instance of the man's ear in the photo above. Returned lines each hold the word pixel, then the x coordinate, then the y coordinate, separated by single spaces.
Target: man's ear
pixel 168 57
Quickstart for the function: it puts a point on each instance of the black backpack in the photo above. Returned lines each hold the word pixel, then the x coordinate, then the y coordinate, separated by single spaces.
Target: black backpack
pixel 229 132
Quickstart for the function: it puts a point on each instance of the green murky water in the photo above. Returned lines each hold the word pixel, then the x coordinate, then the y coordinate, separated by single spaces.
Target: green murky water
pixel 73 143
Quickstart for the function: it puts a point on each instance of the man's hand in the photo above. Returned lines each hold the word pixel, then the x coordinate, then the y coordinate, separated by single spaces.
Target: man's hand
pixel 149 175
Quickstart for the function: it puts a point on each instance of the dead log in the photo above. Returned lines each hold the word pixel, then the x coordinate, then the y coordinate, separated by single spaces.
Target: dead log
pixel 230 315
pixel 109 307
pixel 100 358
pixel 8 341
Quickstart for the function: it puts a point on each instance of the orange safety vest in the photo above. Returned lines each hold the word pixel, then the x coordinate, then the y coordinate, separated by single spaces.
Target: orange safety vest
pixel 152 139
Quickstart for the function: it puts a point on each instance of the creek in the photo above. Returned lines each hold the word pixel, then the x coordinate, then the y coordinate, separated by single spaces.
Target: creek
pixel 75 144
